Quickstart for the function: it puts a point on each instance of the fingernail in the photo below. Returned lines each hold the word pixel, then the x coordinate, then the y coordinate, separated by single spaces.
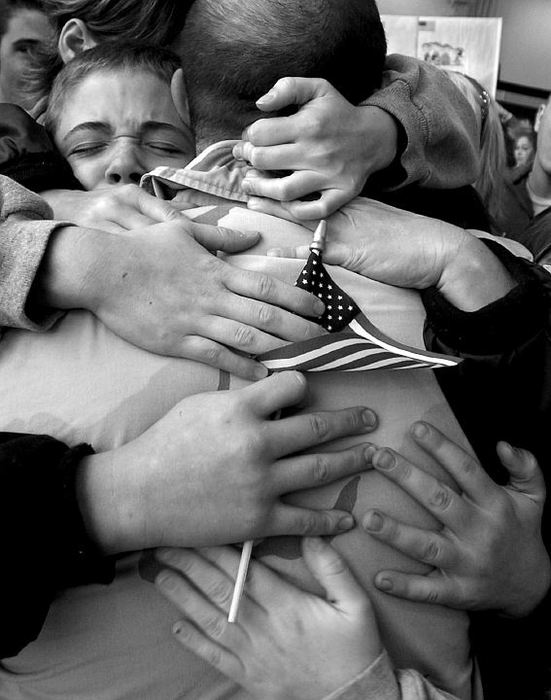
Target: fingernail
pixel 275 252
pixel 268 97
pixel 369 418
pixel 166 581
pixel 384 584
pixel 369 451
pixel 346 523
pixel 384 460
pixel 260 372
pixel 314 544
pixel 420 430
pixel 373 522
pixel 246 186
pixel 254 204
pixel 319 307
pixel 168 556
pixel 238 152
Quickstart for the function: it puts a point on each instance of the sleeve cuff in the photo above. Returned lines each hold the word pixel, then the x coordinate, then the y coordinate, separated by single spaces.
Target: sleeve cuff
pixel 376 681
pixel 501 325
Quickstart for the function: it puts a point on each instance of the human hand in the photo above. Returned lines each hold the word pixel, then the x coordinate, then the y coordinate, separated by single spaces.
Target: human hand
pixel 114 209
pixel 286 644
pixel 407 250
pixel 214 470
pixel 161 289
pixel 489 554
pixel 331 146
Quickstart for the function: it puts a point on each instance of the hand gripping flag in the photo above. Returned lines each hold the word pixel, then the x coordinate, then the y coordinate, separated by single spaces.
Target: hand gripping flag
pixel 353 344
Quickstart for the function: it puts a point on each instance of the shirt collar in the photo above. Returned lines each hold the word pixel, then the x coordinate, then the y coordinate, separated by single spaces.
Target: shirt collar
pixel 213 175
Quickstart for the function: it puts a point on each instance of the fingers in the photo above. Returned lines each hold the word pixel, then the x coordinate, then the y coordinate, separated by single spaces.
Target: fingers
pixel 293 91
pixel 328 203
pixel 422 545
pixel 273 394
pixel 285 156
pixel 219 238
pixel 432 589
pixel 333 574
pixel 438 498
pixel 275 208
pixel 155 209
pixel 461 466
pixel 220 357
pixel 525 474
pixel 310 471
pixel 253 285
pixel 284 189
pixel 300 432
pixel 292 520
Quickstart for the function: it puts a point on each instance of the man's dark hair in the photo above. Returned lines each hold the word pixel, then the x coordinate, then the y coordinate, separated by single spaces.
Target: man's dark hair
pixel 110 56
pixel 9 7
pixel 233 51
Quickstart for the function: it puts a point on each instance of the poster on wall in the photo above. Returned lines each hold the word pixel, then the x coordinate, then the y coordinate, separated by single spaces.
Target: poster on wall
pixel 469 45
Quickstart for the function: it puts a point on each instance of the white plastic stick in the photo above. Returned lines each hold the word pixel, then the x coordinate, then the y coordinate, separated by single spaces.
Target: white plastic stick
pixel 240 580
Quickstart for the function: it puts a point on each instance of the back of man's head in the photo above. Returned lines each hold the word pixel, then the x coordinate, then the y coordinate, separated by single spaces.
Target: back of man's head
pixel 233 51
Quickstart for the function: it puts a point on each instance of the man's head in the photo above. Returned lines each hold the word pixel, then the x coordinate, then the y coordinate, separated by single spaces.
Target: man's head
pixel 112 117
pixel 23 28
pixel 233 51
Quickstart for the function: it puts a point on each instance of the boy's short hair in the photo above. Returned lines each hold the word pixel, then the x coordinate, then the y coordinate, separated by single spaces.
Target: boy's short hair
pixel 233 51
pixel 107 57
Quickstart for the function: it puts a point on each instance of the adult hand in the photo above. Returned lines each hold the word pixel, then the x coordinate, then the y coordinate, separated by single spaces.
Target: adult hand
pixel 162 290
pixel 114 209
pixel 489 554
pixel 331 146
pixel 407 250
pixel 214 469
pixel 286 644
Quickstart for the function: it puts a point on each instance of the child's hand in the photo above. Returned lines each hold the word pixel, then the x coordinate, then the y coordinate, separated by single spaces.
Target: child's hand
pixel 489 554
pixel 331 146
pixel 286 644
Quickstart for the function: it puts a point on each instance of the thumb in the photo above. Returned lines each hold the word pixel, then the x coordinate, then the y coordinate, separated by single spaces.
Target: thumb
pixel 525 476
pixel 331 571
pixel 293 91
pixel 225 239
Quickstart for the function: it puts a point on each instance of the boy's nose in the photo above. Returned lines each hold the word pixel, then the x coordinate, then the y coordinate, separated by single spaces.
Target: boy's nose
pixel 125 166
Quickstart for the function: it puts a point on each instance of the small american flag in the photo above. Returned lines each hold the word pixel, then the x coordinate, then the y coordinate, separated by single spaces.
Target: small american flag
pixel 353 344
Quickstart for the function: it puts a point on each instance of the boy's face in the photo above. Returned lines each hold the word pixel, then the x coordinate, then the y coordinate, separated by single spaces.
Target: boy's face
pixel 26 29
pixel 116 126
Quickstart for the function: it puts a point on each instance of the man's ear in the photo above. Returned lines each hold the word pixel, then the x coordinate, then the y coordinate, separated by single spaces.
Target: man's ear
pixel 75 37
pixel 179 96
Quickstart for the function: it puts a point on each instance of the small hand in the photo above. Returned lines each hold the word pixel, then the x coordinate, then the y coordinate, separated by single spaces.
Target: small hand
pixel 114 209
pixel 215 468
pixel 330 145
pixel 489 554
pixel 285 644
pixel 161 289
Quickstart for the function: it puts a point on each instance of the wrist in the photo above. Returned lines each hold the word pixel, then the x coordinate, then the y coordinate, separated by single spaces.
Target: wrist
pixel 69 276
pixel 108 494
pixel 473 277
pixel 376 120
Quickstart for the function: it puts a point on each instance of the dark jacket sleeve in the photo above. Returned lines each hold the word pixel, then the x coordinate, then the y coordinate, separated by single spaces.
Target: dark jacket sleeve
pixel 45 544
pixel 502 391
pixel 28 156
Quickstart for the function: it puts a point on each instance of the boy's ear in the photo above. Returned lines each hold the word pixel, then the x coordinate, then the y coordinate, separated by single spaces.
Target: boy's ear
pixel 179 96
pixel 74 38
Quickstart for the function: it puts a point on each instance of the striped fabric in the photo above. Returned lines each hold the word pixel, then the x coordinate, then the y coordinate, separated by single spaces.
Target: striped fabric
pixel 353 343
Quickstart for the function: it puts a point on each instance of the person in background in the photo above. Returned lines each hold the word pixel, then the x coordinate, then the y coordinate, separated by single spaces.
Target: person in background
pixel 525 148
pixel 529 201
pixel 24 28
pixel 490 183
